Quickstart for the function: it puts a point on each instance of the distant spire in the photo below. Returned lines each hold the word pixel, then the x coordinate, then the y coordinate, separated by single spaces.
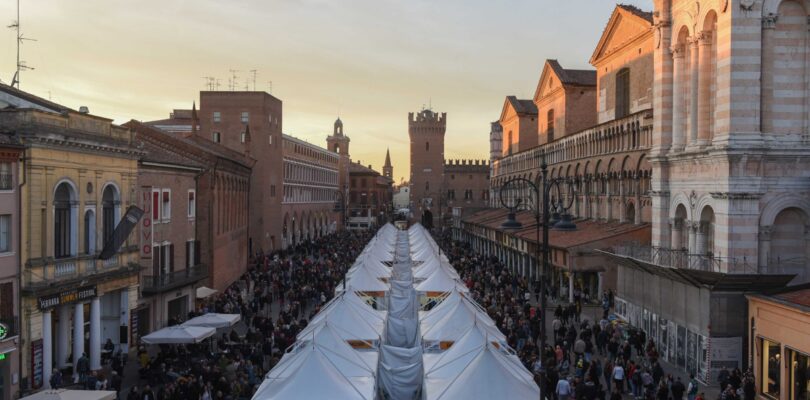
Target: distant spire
pixel 194 118
pixel 387 157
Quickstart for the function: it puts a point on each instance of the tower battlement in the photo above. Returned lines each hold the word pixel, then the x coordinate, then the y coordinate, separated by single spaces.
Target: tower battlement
pixel 427 121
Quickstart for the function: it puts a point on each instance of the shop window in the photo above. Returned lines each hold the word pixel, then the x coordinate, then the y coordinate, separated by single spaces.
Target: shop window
pixel 799 376
pixel 771 368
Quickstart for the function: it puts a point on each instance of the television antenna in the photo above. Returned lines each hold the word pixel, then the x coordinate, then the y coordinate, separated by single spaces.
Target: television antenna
pixel 253 73
pixel 21 65
pixel 232 80
pixel 270 87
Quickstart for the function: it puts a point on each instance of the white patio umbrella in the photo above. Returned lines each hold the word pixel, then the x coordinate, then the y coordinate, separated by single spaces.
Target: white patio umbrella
pixel 65 394
pixel 214 320
pixel 179 335
pixel 204 291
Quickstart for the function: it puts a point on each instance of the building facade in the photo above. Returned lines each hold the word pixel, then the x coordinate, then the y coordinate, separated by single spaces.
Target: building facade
pixel 433 179
pixel 79 178
pixel 594 130
pixel 370 197
pixel 779 323
pixel 10 343
pixel 311 178
pixel 171 265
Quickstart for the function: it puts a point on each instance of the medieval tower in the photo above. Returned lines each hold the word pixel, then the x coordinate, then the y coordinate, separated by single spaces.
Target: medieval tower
pixel 339 143
pixel 426 130
pixel 388 169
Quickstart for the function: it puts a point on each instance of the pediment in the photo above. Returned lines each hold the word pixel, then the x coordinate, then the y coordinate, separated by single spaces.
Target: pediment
pixel 622 28
pixel 549 82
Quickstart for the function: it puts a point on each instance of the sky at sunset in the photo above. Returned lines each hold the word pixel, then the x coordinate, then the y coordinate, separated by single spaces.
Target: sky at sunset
pixel 369 61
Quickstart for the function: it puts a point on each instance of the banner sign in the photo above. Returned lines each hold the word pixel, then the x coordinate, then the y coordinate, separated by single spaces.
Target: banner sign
pixel 36 364
pixel 67 297
pixel 121 232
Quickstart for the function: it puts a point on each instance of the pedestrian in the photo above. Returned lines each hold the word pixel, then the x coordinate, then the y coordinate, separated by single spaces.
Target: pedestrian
pixel 115 383
pixel 722 378
pixel 678 389
pixel 133 394
pixel 147 393
pixel 56 379
pixel 563 389
pixel 692 389
pixel 82 367
pixel 618 377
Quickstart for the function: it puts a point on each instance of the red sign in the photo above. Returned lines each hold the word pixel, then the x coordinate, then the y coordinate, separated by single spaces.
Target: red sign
pixel 146 230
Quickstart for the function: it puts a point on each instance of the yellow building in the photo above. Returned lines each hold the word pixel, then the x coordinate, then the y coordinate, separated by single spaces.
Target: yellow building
pixel 77 178
pixel 780 331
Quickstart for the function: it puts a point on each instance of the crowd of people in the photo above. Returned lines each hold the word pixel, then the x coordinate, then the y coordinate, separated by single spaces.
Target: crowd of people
pixel 299 280
pixel 584 358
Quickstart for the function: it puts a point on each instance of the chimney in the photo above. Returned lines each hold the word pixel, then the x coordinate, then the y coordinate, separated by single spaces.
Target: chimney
pixel 84 110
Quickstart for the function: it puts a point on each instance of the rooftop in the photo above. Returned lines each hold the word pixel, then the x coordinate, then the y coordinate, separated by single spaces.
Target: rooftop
pixel 578 77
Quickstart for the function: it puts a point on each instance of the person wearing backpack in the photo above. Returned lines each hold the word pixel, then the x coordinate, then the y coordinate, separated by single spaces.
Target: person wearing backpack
pixel 692 389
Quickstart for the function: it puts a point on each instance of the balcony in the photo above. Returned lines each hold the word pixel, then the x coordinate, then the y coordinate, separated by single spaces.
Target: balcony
pixel 43 273
pixel 682 259
pixel 155 284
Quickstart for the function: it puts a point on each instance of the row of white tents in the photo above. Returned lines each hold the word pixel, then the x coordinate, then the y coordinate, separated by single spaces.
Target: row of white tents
pixel 345 351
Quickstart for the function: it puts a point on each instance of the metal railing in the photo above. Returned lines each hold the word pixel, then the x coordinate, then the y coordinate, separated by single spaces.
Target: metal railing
pixel 52 271
pixel 167 281
pixel 681 258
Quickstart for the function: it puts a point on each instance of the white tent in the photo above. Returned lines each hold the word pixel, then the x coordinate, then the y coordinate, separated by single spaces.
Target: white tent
pixel 322 367
pixel 350 317
pixel 429 267
pixel 204 292
pixel 214 320
pixel 364 281
pixel 440 281
pixel 485 372
pixel 66 394
pixel 179 335
pixel 451 319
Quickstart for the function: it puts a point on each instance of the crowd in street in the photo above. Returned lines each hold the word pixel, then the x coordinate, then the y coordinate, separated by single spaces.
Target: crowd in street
pixel 583 359
pixel 300 280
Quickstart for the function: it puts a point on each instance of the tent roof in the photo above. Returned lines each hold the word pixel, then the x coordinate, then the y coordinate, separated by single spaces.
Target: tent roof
pixel 203 292
pixel 214 320
pixel 350 317
pixel 440 281
pixel 66 394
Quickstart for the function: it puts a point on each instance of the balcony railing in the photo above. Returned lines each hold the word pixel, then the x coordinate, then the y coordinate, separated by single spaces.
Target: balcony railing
pixel 152 284
pixel 681 258
pixel 47 272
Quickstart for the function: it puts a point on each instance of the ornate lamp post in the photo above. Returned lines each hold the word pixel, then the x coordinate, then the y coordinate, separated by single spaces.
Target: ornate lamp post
pixel 522 194
pixel 340 205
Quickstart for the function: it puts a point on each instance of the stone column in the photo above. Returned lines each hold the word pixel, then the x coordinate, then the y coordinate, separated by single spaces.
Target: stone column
pixel 78 337
pixel 694 68
pixel 47 349
pixel 692 240
pixel 599 285
pixel 571 286
pixel 766 65
pixel 705 89
pixel 677 232
pixel 95 334
pixel 700 238
pixel 63 338
pixel 678 121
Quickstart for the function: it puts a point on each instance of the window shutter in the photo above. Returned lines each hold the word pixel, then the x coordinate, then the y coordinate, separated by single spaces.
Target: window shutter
pixel 171 257
pixel 156 255
pixel 188 254
pixel 7 301
pixel 196 252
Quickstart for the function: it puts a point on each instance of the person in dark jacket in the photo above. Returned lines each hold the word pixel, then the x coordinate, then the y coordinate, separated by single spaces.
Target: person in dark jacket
pixel 677 389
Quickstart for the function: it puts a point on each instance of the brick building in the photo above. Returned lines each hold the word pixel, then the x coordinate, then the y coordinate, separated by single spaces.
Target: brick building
pixel 370 197
pixel 593 128
pixel 431 181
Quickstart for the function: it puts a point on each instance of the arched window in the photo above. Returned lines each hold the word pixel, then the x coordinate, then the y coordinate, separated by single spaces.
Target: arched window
pixel 110 202
pixel 550 125
pixel 65 228
pixel 89 232
pixel 622 93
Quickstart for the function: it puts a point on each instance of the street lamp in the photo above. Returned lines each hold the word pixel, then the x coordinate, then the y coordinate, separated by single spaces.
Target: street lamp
pixel 340 205
pixel 554 214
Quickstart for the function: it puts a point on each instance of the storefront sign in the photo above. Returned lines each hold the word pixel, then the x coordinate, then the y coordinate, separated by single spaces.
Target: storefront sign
pixel 133 324
pixel 67 297
pixel 147 230
pixel 3 331
pixel 36 364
